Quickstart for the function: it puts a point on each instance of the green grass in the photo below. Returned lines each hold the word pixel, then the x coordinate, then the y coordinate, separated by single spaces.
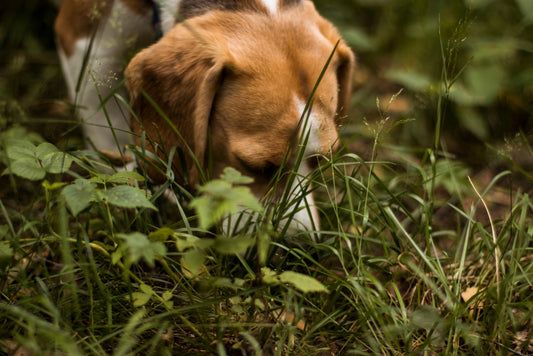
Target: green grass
pixel 388 276
pixel 414 257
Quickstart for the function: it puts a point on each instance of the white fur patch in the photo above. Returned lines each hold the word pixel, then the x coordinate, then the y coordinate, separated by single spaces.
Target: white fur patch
pixel 169 13
pixel 72 65
pixel 271 5
pixel 309 129
pixel 306 217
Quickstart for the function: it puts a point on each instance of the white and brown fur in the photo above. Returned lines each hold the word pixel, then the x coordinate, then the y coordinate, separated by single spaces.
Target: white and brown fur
pixel 232 76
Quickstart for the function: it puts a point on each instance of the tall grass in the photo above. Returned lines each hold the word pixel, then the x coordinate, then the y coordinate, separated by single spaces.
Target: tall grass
pixel 399 280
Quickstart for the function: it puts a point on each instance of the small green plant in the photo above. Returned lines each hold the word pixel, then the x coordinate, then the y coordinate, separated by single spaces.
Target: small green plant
pixel 117 190
pixel 220 198
pixel 33 162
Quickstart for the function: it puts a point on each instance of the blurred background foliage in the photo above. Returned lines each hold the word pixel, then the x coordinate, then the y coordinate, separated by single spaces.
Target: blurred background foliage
pixel 32 88
pixel 404 43
pixel 400 44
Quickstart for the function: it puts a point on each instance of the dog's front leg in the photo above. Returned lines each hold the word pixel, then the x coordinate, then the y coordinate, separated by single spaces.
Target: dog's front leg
pixel 95 44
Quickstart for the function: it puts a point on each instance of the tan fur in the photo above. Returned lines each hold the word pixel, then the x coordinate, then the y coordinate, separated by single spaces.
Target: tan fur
pixel 228 82
pixel 78 19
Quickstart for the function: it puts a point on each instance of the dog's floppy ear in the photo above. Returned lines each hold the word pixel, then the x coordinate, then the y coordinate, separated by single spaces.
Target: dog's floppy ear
pixel 345 68
pixel 344 59
pixel 172 86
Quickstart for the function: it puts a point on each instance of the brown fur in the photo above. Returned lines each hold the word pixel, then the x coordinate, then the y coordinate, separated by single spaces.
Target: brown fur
pixel 227 81
pixel 78 19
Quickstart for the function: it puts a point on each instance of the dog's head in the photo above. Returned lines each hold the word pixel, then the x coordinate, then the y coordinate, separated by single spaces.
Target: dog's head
pixel 235 85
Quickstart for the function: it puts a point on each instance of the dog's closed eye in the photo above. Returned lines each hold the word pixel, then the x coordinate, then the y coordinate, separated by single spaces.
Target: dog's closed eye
pixel 265 169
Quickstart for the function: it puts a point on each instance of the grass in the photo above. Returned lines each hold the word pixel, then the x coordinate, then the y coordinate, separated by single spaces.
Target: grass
pixel 414 257
pixel 137 281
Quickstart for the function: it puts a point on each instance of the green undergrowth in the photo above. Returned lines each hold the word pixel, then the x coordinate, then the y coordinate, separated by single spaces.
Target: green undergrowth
pixel 408 260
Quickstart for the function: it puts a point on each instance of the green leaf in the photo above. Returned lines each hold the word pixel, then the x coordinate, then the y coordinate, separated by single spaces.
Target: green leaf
pixel 184 242
pixel 116 256
pixel 45 149
pixel 425 317
pixel 140 299
pixel 302 282
pixel 4 229
pixel 6 254
pixel 161 235
pixel 168 304
pixel 358 38
pixel 79 195
pixel 57 162
pixel 245 198
pixel 145 288
pixel 125 196
pixel 233 246
pixel 167 295
pixel 15 133
pixel 99 178
pixel 210 211
pixel 32 162
pixel 231 175
pixel 28 168
pixel 263 245
pixel 192 262
pixel 138 246
pixel 125 177
pixel 485 82
pixel 54 186
pixel 20 149
pixel 221 282
pixel 269 276
pixel 526 6
pixel 219 198
pixel 428 318
pixel 495 49
pixel 410 79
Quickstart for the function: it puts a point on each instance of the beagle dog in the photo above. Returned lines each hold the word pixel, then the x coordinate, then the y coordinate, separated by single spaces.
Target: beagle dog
pixel 227 83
